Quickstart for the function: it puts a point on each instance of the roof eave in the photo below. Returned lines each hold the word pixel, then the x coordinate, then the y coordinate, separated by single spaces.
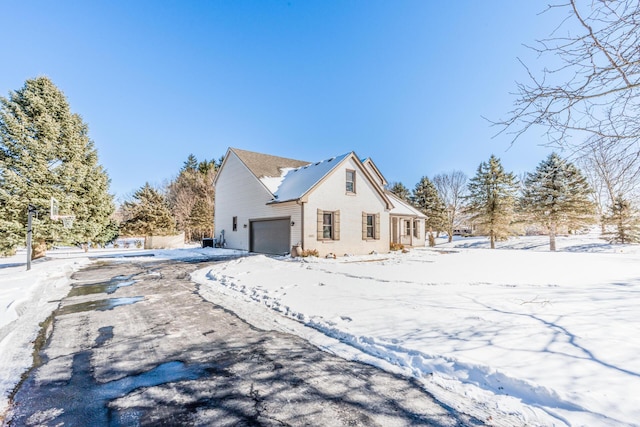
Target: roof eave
pixel 277 202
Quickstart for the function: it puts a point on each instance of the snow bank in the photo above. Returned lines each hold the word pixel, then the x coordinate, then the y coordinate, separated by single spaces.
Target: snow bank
pixel 27 298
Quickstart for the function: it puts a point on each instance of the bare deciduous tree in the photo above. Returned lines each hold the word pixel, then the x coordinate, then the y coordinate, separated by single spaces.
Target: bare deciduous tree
pixel 191 198
pixel 611 173
pixel 589 87
pixel 451 187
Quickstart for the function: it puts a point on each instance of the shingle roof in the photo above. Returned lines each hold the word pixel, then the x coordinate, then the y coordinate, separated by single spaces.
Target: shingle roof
pixel 266 165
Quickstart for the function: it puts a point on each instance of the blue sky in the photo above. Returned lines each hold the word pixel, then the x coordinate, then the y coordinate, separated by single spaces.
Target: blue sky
pixel 403 82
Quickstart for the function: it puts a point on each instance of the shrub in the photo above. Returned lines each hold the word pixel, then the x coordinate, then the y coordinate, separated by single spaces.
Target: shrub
pixel 396 247
pixel 310 252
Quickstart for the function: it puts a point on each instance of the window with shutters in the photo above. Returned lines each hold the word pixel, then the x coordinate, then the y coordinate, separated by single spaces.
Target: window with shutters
pixel 328 225
pixel 370 226
pixel 416 228
pixel 407 228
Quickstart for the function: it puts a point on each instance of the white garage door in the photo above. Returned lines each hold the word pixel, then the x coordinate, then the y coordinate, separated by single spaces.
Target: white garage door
pixel 270 236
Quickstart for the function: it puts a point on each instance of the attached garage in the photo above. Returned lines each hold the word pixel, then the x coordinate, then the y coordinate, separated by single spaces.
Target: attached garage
pixel 272 236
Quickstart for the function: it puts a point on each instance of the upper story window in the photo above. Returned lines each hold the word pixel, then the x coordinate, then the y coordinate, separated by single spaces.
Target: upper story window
pixel 235 224
pixel 351 181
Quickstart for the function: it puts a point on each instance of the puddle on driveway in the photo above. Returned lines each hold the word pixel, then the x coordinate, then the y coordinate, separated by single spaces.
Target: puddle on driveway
pixel 82 400
pixel 109 287
pixel 99 305
pixel 163 373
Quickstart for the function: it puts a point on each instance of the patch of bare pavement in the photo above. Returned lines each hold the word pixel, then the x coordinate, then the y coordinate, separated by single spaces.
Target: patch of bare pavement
pixel 134 344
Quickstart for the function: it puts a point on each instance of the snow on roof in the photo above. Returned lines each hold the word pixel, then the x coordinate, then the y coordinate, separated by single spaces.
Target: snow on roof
pixel 273 182
pixel 294 183
pixel 401 207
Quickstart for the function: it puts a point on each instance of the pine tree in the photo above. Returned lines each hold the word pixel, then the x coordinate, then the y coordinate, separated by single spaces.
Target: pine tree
pixel 46 152
pixel 426 198
pixel 201 218
pixel 147 215
pixel 626 220
pixel 109 233
pixel 191 164
pixel 557 195
pixel 207 166
pixel 401 191
pixel 491 199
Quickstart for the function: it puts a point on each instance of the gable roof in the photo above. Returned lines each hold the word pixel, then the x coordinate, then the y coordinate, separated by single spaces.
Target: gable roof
pixel 290 179
pixel 266 165
pixel 374 168
pixel 401 207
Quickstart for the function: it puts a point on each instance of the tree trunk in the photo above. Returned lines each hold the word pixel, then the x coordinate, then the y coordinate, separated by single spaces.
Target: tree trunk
pixel 492 238
pixel 450 232
pixel 552 237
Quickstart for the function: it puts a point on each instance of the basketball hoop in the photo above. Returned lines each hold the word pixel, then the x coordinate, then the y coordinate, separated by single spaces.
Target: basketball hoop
pixel 67 220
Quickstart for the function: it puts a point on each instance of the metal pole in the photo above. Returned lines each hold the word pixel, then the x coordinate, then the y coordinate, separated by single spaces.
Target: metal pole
pixel 31 210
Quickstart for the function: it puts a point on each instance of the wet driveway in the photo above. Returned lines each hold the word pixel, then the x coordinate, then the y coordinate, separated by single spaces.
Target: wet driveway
pixel 134 344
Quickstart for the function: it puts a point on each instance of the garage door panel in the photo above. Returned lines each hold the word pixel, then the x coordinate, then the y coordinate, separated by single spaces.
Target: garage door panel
pixel 270 236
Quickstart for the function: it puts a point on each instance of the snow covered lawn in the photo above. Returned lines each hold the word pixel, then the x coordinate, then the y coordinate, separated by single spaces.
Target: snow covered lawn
pixel 517 335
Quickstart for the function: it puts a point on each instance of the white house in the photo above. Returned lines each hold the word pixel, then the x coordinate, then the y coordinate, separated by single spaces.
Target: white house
pixel 269 204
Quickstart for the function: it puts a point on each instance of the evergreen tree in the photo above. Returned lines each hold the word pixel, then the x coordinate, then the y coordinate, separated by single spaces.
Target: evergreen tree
pixel 207 166
pixel 426 198
pixel 147 215
pixel 109 234
pixel 491 199
pixel 401 191
pixel 201 218
pixel 191 164
pixel 626 220
pixel 557 195
pixel 45 152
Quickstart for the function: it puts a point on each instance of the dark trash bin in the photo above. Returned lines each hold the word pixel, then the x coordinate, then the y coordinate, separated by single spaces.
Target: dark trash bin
pixel 208 243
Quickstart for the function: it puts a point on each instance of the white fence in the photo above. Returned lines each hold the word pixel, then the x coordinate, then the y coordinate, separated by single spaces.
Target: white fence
pixel 164 242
